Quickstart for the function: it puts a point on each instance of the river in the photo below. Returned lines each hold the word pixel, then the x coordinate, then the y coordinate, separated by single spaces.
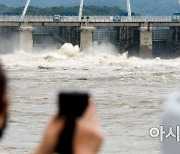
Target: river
pixel 128 92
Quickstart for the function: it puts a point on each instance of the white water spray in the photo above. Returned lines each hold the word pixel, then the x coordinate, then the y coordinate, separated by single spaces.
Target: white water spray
pixel 69 50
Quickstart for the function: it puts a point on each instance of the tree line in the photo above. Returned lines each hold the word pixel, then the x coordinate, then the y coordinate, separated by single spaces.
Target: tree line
pixel 88 10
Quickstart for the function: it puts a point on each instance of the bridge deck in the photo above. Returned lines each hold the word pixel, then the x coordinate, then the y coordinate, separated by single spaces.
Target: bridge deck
pixel 94 20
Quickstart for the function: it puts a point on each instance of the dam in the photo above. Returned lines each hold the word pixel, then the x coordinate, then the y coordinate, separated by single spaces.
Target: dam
pixel 142 36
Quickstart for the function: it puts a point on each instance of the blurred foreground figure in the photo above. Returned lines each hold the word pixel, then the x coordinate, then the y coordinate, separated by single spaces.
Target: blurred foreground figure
pixel 170 132
pixel 87 138
pixel 3 101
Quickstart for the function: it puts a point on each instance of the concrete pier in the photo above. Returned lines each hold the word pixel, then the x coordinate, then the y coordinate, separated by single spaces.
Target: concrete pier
pixel 26 37
pixel 86 38
pixel 146 50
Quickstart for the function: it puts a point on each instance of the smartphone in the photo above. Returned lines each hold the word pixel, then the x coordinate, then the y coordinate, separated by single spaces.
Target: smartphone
pixel 71 106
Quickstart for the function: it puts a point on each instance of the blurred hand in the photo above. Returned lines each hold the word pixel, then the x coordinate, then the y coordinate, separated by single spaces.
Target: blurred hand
pixel 88 134
pixel 51 136
pixel 87 139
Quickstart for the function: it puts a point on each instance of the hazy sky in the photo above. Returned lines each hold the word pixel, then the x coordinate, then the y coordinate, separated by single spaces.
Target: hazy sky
pixel 62 2
pixel 149 7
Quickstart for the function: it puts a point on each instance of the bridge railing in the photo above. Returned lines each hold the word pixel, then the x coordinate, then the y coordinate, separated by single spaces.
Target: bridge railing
pixel 100 18
pixel 144 19
pixel 38 19
pixel 132 19
pixel 7 18
pixel 26 18
pixel 151 19
pixel 70 19
pixel 104 19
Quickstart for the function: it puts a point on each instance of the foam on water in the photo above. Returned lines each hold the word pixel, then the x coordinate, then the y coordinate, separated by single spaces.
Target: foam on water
pixel 129 93
pixel 69 50
pixel 104 55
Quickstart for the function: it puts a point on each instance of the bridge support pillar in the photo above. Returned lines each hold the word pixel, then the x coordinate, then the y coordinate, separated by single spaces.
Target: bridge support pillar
pixel 86 38
pixel 146 43
pixel 26 37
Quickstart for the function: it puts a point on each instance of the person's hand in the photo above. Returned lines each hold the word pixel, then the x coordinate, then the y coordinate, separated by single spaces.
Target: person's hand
pixel 88 135
pixel 87 138
pixel 51 136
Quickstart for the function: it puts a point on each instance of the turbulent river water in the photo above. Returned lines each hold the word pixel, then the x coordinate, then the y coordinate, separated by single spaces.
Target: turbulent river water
pixel 128 92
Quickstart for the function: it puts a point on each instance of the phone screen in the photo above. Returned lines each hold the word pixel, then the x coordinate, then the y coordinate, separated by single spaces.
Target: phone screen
pixel 73 104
